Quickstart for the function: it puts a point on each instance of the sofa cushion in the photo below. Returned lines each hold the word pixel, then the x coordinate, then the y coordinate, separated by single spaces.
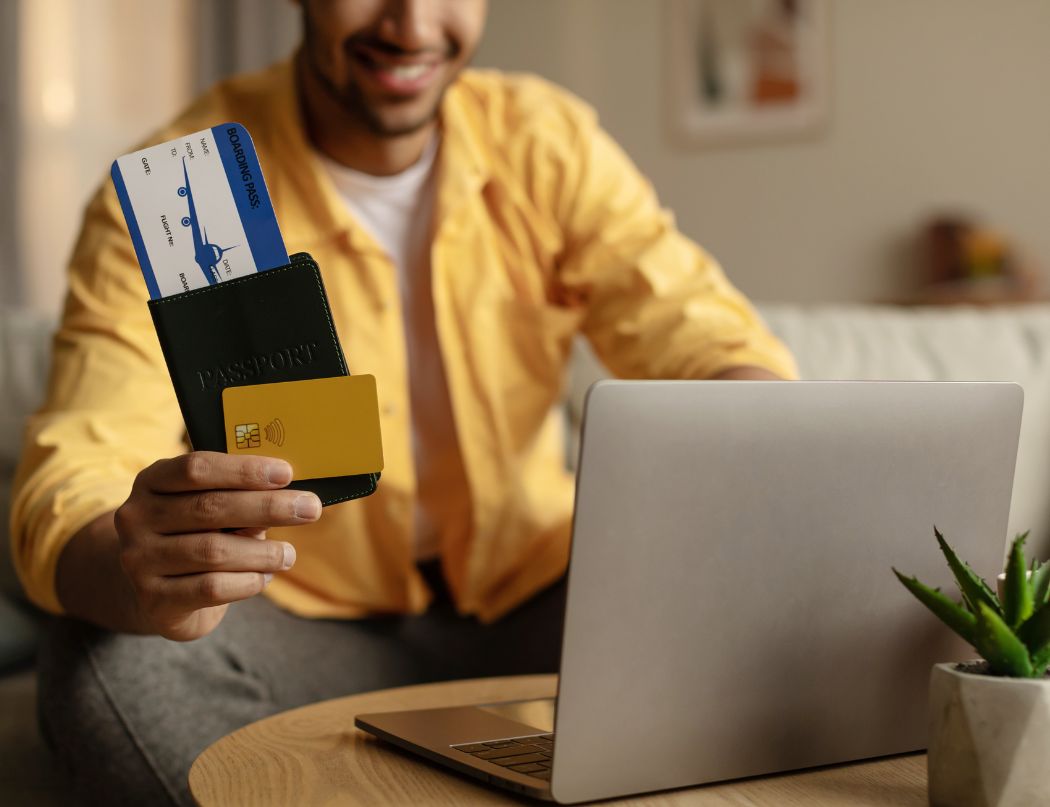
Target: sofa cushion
pixel 29 776
pixel 25 345
pixel 25 349
pixel 20 626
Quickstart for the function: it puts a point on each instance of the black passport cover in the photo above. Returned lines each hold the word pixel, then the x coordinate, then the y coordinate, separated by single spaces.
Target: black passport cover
pixel 270 326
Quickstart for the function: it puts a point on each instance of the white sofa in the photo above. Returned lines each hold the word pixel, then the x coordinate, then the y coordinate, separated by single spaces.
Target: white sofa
pixel 831 342
pixel 27 775
pixel 868 342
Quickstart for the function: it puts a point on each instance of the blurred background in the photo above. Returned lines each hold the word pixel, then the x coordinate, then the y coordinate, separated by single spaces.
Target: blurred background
pixel 919 170
pixel 826 151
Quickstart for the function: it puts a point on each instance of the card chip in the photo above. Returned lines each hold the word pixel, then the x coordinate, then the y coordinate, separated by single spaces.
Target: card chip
pixel 247 435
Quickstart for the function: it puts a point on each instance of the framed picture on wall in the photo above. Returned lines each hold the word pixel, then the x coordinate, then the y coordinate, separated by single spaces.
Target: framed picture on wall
pixel 747 70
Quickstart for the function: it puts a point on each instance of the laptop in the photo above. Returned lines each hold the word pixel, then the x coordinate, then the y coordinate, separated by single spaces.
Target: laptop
pixel 731 610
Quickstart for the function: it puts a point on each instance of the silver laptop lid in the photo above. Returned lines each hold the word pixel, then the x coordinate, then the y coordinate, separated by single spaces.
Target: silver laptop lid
pixel 731 609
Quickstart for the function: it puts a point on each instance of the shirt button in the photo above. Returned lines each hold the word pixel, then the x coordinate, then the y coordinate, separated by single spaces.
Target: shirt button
pixel 388 409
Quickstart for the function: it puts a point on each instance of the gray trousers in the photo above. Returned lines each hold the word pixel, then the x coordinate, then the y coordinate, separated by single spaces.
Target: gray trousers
pixel 127 715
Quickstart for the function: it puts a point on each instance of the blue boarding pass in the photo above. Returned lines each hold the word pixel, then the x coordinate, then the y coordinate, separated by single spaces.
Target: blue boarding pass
pixel 198 210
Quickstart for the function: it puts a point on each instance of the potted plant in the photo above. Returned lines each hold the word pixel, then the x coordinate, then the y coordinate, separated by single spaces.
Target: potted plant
pixel 989 743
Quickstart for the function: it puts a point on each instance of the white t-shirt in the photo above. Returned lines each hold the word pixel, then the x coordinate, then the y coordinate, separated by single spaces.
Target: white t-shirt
pixel 397 211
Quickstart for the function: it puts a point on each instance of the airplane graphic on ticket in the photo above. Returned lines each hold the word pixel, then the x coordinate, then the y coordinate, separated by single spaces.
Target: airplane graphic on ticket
pixel 183 198
pixel 206 254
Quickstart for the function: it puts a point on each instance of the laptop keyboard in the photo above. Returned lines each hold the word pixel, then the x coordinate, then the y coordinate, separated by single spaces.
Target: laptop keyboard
pixel 528 755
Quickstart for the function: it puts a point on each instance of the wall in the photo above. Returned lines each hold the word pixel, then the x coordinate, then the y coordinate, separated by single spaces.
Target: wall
pixel 10 286
pixel 937 104
pixel 81 102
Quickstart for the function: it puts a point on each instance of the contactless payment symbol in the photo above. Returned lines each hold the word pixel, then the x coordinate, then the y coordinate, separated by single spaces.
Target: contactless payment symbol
pixel 275 432
pixel 247 435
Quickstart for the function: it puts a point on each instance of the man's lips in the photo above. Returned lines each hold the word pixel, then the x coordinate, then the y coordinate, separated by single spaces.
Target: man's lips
pixel 403 74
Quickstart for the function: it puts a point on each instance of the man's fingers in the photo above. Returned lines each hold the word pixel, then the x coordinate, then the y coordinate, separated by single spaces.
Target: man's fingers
pixel 215 510
pixel 219 552
pixel 259 533
pixel 212 470
pixel 192 592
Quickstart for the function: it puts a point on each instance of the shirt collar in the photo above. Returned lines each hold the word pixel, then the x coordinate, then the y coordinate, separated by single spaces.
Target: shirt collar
pixel 309 204
pixel 463 169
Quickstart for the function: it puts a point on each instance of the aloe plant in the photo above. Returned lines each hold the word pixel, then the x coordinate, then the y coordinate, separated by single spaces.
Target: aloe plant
pixel 1012 635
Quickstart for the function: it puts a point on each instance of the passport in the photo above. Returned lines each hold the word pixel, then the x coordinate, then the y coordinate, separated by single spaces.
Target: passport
pixel 262 329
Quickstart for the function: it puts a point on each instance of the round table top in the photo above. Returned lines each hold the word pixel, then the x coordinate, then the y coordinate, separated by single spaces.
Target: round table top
pixel 314 755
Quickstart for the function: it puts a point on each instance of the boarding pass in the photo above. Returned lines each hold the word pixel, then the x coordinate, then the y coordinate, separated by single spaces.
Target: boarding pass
pixel 198 210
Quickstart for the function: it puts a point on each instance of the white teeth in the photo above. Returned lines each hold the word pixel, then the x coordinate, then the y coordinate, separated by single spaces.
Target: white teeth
pixel 408 72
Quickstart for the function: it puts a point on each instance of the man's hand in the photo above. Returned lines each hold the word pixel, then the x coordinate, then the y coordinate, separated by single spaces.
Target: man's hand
pixel 188 543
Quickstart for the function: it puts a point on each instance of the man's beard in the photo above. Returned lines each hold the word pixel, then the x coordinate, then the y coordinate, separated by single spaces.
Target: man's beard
pixel 352 102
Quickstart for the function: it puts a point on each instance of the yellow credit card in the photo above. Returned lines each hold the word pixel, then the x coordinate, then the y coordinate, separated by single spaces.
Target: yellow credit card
pixel 322 426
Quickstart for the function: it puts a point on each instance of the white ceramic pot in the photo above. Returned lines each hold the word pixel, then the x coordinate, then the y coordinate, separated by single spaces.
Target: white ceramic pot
pixel 989 740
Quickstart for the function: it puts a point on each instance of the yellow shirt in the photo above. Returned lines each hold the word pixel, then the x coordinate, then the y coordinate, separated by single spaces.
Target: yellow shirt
pixel 542 229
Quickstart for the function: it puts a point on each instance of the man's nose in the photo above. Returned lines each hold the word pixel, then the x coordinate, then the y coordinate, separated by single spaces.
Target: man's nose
pixel 411 24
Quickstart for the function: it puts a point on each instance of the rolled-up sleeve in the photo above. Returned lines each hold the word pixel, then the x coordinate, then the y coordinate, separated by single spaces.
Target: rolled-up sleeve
pixel 657 305
pixel 109 410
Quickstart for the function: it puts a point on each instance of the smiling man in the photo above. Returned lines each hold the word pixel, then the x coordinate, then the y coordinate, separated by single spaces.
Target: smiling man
pixel 373 83
pixel 468 224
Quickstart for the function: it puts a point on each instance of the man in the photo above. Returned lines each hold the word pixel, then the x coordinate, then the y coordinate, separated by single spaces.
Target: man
pixel 467 224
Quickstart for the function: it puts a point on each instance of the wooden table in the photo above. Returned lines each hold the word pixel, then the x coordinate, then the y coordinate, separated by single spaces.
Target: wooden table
pixel 314 755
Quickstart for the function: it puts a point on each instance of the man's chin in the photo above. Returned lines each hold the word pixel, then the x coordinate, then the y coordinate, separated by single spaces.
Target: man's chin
pixel 399 128
pixel 390 121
